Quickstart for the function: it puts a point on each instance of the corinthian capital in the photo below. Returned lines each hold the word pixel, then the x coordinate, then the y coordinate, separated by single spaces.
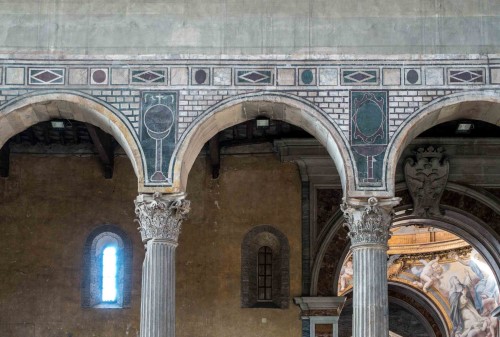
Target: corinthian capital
pixel 160 216
pixel 369 221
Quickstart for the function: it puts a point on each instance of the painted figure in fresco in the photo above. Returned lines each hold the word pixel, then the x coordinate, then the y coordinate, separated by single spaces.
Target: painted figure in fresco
pixel 486 288
pixel 346 275
pixel 467 322
pixel 431 274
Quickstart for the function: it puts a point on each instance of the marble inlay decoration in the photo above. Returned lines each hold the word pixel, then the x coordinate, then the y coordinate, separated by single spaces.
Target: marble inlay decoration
pixel 158 133
pixel 46 76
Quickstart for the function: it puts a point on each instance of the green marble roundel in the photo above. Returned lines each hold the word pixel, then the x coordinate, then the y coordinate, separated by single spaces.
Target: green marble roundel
pixel 307 76
pixel 369 118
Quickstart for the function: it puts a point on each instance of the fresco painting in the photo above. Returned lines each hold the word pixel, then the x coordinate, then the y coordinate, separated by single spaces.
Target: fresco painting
pixel 459 282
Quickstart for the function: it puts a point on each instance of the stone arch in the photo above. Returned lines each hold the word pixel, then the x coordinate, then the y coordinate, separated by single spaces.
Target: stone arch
pixel 480 105
pixel 463 224
pixel 25 111
pixel 433 318
pixel 467 227
pixel 290 109
pixel 412 300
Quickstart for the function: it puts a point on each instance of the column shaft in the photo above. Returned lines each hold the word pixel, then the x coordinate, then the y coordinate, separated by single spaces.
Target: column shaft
pixel 370 303
pixel 369 222
pixel 160 219
pixel 158 290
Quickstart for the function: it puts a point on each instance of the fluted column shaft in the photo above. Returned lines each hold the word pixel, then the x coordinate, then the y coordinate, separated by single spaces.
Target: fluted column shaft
pixel 160 219
pixel 158 290
pixel 370 303
pixel 369 222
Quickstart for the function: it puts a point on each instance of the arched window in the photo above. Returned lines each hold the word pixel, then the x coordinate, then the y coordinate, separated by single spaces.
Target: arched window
pixel 107 269
pixel 265 279
pixel 109 274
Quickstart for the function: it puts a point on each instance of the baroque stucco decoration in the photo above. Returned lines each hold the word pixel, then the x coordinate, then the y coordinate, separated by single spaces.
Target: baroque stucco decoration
pixel 160 217
pixel 426 176
pixel 368 223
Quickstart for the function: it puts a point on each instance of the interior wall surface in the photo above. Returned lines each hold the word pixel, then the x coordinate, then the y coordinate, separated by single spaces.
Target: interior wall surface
pixel 251 190
pixel 48 207
pixel 239 27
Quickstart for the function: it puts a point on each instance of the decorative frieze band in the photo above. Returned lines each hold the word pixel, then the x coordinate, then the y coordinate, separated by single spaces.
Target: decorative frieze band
pixel 160 216
pixel 255 74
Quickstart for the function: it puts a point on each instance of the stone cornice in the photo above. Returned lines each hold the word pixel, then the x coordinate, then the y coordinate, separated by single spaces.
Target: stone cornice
pixel 320 306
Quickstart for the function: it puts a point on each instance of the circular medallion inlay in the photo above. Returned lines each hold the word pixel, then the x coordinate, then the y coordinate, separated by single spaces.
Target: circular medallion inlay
pixel 412 76
pixel 99 76
pixel 307 76
pixel 158 121
pixel 369 118
pixel 200 76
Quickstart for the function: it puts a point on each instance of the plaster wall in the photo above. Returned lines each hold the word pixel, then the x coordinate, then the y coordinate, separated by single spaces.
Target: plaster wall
pixel 251 191
pixel 49 205
pixel 240 27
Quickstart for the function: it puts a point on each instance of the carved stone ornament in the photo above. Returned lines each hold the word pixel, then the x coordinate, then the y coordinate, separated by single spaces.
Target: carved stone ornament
pixel 160 216
pixel 369 222
pixel 426 177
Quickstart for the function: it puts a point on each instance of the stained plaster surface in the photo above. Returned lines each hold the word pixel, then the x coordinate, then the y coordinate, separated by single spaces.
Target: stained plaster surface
pixel 239 27
pixel 251 191
pixel 49 205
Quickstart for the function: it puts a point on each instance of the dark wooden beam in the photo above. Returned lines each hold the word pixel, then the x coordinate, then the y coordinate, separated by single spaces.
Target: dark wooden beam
pixel 46 133
pixel 5 160
pixel 214 155
pixel 250 125
pixel 62 138
pixel 74 130
pixel 32 136
pixel 103 143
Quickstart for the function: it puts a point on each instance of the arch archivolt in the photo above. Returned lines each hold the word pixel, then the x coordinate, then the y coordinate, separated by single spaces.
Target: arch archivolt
pixel 24 111
pixel 280 106
pixel 481 105
pixel 459 222
pixel 27 110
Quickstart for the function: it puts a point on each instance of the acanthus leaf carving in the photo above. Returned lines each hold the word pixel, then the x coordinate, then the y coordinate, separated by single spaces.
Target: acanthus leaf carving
pixel 426 176
pixel 160 216
pixel 368 222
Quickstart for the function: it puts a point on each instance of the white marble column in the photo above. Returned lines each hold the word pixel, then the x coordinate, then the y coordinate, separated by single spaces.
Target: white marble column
pixel 160 218
pixel 369 222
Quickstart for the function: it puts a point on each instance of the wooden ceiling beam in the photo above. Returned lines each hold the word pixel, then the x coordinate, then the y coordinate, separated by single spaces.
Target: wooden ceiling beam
pixel 5 160
pixel 103 143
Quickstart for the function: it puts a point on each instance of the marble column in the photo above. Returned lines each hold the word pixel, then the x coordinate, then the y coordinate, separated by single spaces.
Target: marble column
pixel 369 222
pixel 160 218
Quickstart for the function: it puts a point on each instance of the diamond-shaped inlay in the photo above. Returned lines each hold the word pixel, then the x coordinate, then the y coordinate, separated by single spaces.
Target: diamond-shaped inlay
pixel 360 76
pixel 46 76
pixel 254 76
pixel 466 76
pixel 148 76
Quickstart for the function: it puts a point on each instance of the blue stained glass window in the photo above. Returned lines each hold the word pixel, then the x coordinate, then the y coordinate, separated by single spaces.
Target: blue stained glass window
pixel 109 272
